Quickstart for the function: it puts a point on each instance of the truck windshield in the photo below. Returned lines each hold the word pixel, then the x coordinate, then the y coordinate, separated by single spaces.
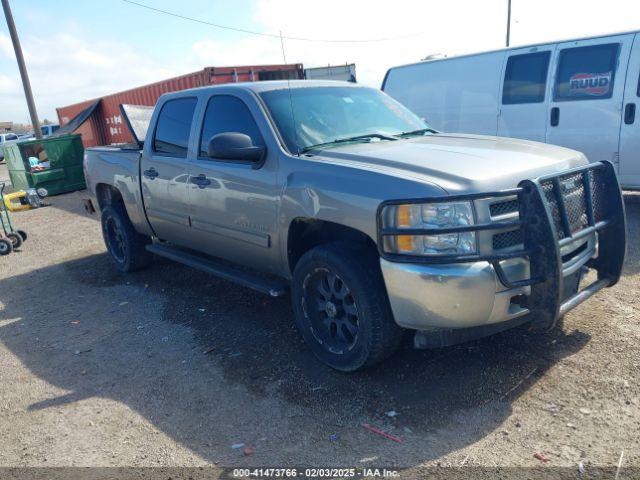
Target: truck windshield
pixel 322 116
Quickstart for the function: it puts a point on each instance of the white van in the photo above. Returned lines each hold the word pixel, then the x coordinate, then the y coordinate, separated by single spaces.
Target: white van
pixel 48 130
pixel 5 138
pixel 581 94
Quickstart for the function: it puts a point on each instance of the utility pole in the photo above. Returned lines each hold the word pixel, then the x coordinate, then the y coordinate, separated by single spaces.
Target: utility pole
pixel 508 21
pixel 23 69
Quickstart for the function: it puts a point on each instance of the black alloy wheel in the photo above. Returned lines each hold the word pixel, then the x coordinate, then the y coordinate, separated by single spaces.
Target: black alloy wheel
pixel 332 310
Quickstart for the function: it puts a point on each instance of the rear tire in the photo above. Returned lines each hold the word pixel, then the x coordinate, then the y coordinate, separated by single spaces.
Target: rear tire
pixel 341 307
pixel 23 234
pixel 16 240
pixel 126 247
pixel 6 247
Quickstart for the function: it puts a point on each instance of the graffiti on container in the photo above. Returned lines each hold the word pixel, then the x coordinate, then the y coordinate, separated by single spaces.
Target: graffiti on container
pixel 114 120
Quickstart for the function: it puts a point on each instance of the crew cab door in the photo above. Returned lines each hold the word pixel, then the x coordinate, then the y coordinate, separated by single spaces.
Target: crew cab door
pixel 524 98
pixel 164 170
pixel 630 130
pixel 585 112
pixel 234 202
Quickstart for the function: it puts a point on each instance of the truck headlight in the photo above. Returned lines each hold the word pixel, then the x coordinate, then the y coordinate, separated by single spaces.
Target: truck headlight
pixel 431 217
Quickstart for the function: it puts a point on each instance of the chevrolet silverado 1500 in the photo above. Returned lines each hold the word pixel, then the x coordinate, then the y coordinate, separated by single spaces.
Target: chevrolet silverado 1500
pixel 375 223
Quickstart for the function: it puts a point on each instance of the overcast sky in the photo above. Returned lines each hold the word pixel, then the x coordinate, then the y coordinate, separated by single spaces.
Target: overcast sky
pixel 76 50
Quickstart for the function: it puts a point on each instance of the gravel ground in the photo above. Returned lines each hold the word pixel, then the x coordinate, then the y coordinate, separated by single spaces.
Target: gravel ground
pixel 172 367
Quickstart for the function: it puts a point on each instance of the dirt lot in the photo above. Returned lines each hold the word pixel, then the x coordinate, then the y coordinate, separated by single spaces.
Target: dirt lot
pixel 173 367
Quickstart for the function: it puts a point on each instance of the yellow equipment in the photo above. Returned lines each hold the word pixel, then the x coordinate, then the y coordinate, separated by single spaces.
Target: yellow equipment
pixel 24 199
pixel 16 201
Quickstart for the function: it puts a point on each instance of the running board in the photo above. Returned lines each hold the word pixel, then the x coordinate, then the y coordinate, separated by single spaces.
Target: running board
pixel 273 288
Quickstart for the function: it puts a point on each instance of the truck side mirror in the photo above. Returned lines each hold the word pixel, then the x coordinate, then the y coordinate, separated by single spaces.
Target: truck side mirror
pixel 235 146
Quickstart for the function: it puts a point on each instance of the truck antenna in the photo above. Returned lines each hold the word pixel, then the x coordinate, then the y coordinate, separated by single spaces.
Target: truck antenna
pixel 293 116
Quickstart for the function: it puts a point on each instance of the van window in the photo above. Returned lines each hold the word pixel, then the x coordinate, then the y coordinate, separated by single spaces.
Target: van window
pixel 227 114
pixel 586 73
pixel 49 129
pixel 525 78
pixel 172 130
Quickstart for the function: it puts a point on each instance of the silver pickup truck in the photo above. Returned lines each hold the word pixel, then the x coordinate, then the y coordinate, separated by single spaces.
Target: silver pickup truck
pixel 372 221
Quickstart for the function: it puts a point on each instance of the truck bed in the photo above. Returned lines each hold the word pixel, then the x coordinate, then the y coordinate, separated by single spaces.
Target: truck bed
pixel 117 166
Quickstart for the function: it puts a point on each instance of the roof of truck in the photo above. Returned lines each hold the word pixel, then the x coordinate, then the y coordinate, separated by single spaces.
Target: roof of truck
pixel 264 86
pixel 268 85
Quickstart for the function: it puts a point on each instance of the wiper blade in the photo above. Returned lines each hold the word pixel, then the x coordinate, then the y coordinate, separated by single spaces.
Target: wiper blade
pixel 367 136
pixel 421 131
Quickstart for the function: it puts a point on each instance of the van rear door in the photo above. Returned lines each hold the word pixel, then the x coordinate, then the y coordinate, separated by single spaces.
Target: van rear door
pixel 524 98
pixel 630 130
pixel 586 106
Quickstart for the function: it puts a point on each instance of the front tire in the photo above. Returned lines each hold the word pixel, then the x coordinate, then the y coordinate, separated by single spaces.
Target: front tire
pixel 126 247
pixel 341 307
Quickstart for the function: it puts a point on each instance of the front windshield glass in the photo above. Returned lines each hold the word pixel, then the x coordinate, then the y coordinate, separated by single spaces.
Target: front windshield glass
pixel 327 114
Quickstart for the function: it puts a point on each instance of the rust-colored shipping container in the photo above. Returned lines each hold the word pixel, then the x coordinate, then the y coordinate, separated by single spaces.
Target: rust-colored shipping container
pixel 106 126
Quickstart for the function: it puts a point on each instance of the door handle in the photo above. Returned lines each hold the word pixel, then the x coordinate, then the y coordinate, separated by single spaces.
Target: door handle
pixel 630 113
pixel 201 180
pixel 555 116
pixel 151 173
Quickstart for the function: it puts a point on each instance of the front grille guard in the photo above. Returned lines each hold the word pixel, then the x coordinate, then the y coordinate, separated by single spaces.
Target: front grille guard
pixel 545 231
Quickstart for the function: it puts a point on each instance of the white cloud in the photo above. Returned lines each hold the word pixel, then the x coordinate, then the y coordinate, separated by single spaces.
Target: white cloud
pixel 449 28
pixel 65 69
pixel 7 84
pixel 5 45
pixel 247 51
pixel 421 22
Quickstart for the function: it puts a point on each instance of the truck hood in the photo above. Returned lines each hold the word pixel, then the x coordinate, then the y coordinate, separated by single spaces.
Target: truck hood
pixel 458 163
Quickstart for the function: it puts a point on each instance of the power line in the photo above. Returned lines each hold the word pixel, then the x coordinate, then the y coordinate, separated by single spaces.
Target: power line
pixel 265 34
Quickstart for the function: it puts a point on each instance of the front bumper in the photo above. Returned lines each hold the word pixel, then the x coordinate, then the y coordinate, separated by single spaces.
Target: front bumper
pixel 448 296
pixel 540 278
pixel 465 295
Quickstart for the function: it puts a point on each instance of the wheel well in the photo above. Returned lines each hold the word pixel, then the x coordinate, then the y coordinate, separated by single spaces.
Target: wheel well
pixel 307 233
pixel 107 195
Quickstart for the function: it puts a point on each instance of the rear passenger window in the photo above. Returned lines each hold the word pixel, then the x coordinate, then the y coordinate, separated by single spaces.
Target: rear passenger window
pixel 586 73
pixel 174 123
pixel 227 114
pixel 525 78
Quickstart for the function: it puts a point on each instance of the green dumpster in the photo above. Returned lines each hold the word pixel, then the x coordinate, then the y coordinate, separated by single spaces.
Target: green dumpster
pixel 54 163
